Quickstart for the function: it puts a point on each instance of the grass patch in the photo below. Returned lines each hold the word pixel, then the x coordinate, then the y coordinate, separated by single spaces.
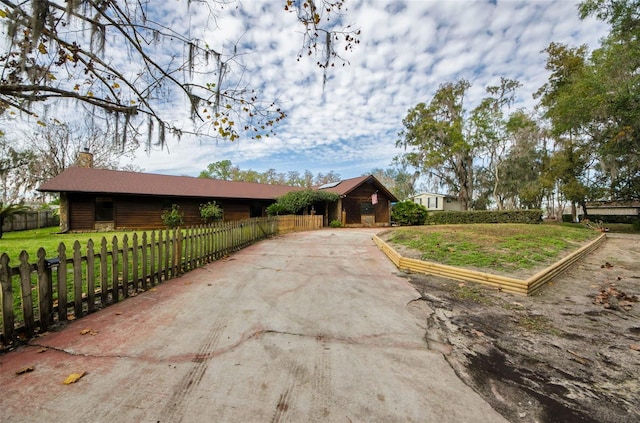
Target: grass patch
pixel 473 293
pixel 538 324
pixel 13 243
pixel 503 247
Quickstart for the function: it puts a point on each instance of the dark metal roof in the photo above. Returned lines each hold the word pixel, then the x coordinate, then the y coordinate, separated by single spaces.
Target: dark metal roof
pixel 90 180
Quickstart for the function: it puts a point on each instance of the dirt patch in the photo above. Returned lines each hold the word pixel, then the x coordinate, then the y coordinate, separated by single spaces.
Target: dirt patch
pixel 569 354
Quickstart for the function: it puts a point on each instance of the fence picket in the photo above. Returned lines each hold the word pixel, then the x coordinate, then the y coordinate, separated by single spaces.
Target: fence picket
pixel 145 264
pixel 115 282
pixel 62 283
pixel 152 259
pixel 91 278
pixel 6 293
pixel 77 280
pixel 160 257
pixel 125 266
pixel 45 290
pixel 104 275
pixel 25 293
pixel 135 262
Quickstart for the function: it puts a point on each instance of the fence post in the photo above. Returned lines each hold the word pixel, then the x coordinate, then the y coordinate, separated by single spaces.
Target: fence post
pixel 6 293
pixel 152 260
pixel 180 264
pixel 145 264
pixel 160 256
pixel 135 262
pixel 77 280
pixel 115 285
pixel 104 273
pixel 45 290
pixel 62 283
pixel 91 277
pixel 25 288
pixel 125 266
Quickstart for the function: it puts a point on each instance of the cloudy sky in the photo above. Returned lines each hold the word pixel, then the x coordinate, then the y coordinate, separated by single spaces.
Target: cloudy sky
pixel 407 49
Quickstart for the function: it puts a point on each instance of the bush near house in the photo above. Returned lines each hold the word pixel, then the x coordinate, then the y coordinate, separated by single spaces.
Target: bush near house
pixel 407 213
pixel 484 216
pixel 173 218
pixel 210 212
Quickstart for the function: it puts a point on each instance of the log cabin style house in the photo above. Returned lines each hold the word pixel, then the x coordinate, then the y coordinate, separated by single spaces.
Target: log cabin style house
pixel 99 199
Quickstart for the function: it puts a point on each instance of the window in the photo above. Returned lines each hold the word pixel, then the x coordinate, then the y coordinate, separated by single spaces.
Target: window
pixel 432 202
pixel 104 209
pixel 367 208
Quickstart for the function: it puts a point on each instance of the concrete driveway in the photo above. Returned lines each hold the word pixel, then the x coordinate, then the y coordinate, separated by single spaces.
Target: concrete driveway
pixel 307 327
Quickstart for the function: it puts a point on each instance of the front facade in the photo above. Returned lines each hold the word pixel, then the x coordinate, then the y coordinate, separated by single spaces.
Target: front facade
pixel 364 201
pixel 437 202
pixel 99 199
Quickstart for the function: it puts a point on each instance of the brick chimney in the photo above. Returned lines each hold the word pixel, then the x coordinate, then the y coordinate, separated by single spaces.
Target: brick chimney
pixel 85 158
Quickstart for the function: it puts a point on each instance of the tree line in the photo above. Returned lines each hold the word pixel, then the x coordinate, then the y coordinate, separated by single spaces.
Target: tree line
pixel 579 144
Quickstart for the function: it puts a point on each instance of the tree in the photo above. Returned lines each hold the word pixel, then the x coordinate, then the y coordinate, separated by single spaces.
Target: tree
pixel 12 164
pixel 489 133
pixel 568 100
pixel 222 170
pixel 9 210
pixel 295 201
pixel 130 60
pixel 437 145
pixel 615 100
pixel 398 180
pixel 60 144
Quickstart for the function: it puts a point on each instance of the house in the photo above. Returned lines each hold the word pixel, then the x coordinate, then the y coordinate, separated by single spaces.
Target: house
pixel 437 202
pixel 100 199
pixel 363 201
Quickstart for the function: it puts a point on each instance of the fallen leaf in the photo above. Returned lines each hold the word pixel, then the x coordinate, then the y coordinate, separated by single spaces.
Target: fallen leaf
pixel 71 317
pixel 188 283
pixel 85 331
pixel 73 378
pixel 25 370
pixel 153 289
pixel 635 347
pixel 43 349
pixel 118 313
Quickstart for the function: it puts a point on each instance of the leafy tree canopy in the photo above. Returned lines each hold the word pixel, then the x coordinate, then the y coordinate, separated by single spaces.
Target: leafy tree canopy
pixel 134 61
pixel 296 201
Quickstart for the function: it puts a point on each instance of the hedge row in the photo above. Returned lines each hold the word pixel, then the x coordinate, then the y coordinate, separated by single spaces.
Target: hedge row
pixel 484 216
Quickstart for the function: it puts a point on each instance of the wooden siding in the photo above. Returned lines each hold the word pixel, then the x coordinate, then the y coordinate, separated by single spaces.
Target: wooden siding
pixel 144 212
pixel 81 212
pixel 362 194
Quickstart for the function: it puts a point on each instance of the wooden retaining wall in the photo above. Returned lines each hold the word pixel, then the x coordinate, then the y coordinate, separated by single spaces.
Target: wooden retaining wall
pixel 75 281
pixel 503 283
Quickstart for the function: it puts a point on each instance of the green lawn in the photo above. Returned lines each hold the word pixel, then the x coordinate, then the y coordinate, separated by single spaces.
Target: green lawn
pixel 504 247
pixel 30 241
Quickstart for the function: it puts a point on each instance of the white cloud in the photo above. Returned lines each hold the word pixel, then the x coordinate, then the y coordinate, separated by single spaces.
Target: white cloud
pixel 408 48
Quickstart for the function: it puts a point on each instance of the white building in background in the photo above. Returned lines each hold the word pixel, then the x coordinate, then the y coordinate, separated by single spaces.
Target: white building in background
pixel 437 202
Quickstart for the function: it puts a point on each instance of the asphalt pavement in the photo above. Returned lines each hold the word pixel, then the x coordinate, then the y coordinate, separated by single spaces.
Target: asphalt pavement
pixel 307 327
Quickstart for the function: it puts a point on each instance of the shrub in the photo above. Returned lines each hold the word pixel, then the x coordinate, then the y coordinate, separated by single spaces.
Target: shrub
pixel 210 212
pixel 173 218
pixel 484 216
pixel 409 213
pixel 295 201
pixel 336 223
